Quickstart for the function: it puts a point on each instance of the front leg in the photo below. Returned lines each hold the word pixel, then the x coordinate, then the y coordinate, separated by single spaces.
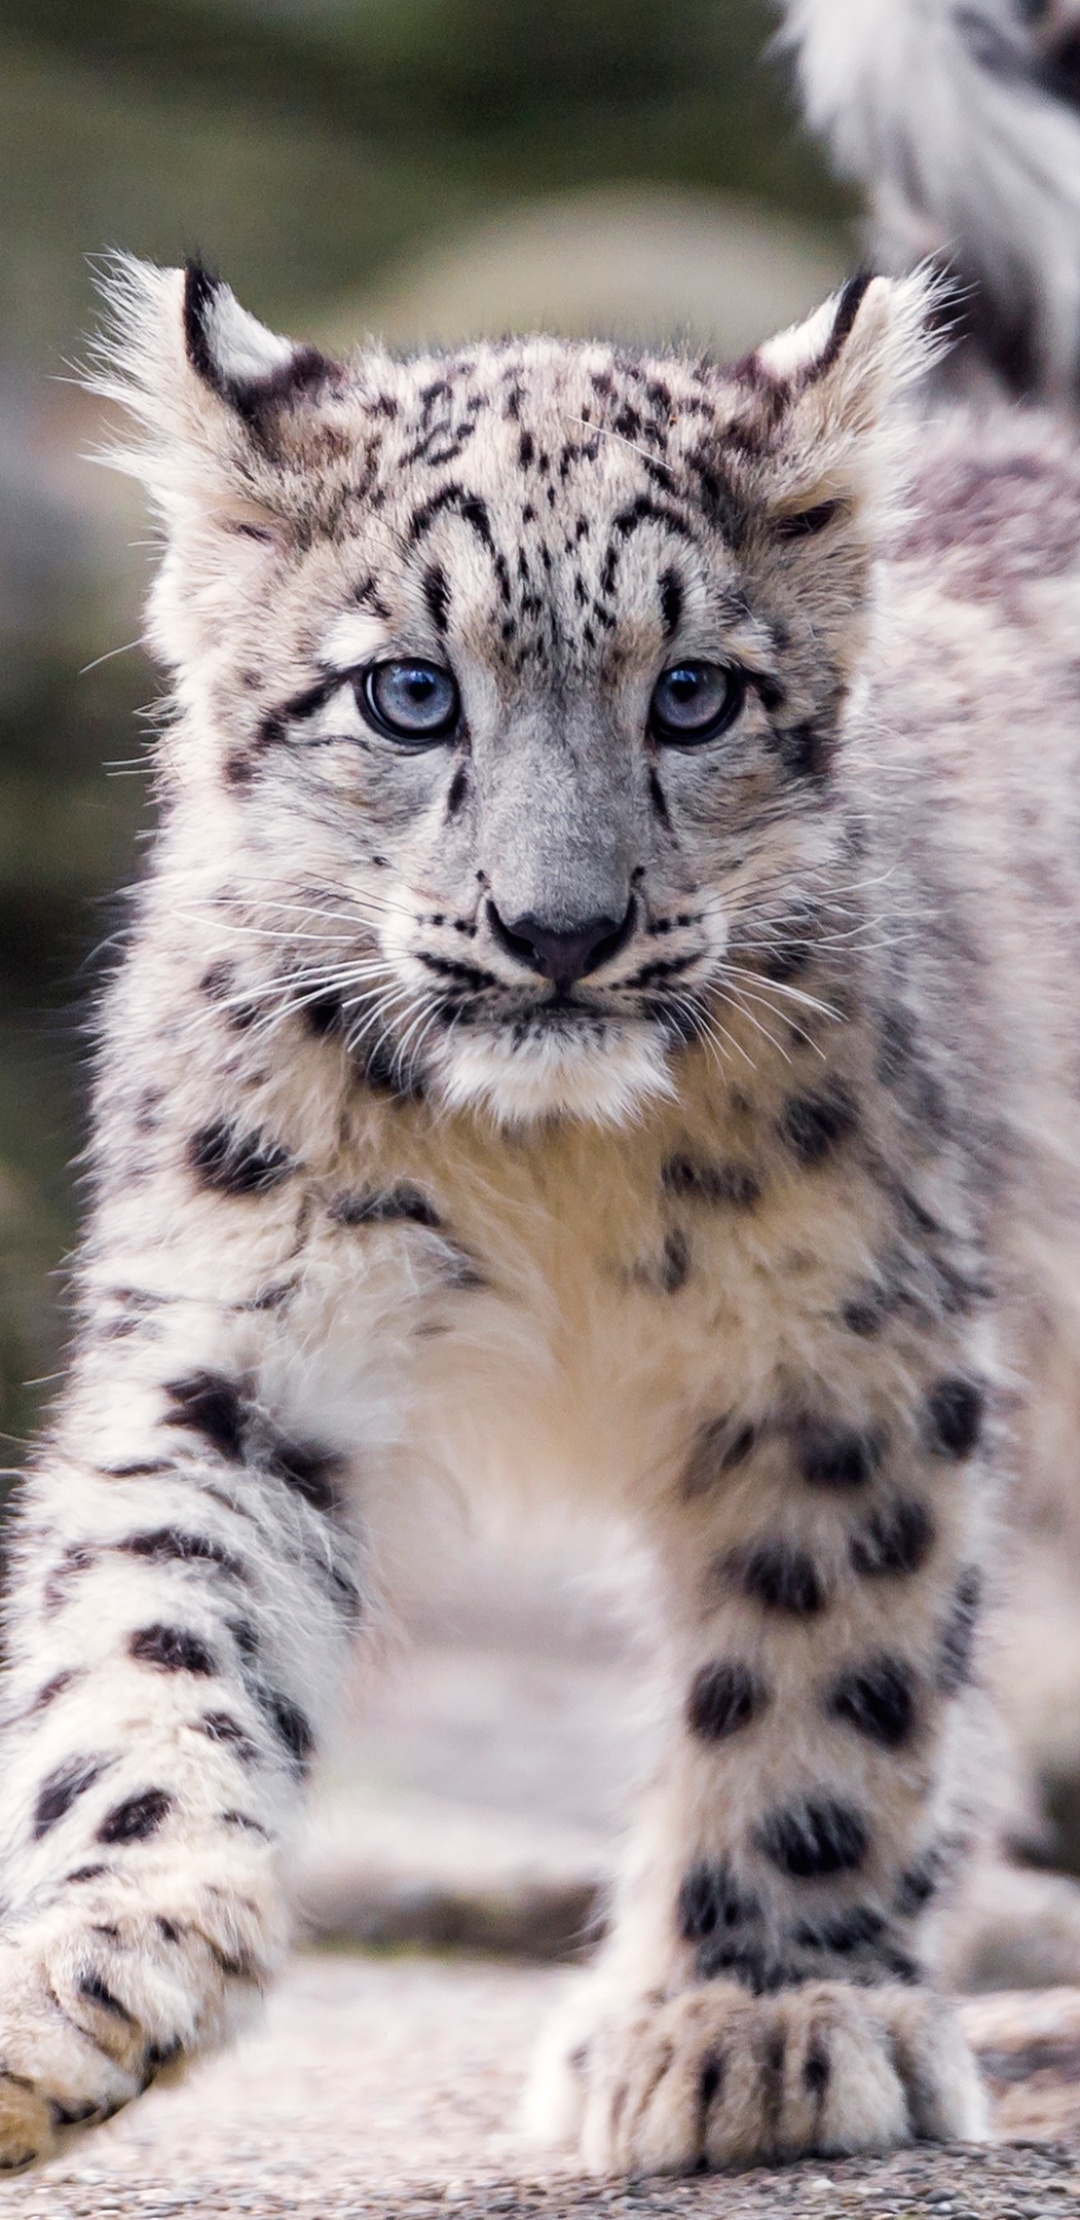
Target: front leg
pixel 185 1587
pixel 761 1995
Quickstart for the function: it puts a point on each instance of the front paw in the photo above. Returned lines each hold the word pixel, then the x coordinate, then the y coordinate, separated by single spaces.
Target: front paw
pixel 716 2077
pixel 96 2003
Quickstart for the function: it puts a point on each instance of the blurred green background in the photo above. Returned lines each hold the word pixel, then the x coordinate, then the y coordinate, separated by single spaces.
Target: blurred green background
pixel 422 168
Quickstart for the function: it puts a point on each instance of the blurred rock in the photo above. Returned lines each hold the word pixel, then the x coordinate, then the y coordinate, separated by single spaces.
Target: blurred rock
pixel 647 263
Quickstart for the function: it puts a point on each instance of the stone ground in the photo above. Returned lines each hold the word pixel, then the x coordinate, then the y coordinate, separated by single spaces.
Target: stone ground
pixel 472 1800
pixel 390 2086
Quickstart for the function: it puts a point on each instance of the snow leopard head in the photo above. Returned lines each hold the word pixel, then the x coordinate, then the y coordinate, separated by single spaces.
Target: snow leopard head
pixel 510 682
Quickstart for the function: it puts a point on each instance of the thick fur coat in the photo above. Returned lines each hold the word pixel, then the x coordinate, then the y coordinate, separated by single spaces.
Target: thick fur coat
pixel 564 1102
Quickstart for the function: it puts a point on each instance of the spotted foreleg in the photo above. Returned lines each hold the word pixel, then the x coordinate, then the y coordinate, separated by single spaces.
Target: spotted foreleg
pixel 762 1994
pixel 185 1595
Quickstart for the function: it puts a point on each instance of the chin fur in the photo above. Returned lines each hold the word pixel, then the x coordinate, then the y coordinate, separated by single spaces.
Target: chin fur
pixel 556 1074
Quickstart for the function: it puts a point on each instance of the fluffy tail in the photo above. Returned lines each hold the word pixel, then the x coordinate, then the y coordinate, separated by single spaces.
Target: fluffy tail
pixel 961 120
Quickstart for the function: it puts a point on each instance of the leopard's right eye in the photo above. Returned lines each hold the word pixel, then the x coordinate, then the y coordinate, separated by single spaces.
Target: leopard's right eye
pixel 412 701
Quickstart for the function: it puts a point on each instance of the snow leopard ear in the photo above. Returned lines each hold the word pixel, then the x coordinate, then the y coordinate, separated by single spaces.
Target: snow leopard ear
pixel 250 368
pixel 825 388
pixel 216 399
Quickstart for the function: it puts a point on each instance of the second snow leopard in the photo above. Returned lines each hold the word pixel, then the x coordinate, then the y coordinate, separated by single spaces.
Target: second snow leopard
pixel 600 1018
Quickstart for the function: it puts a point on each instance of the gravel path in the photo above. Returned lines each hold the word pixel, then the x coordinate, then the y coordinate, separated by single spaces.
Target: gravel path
pixel 389 2087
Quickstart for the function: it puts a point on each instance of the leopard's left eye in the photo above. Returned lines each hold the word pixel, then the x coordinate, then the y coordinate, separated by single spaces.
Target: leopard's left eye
pixel 693 702
pixel 410 700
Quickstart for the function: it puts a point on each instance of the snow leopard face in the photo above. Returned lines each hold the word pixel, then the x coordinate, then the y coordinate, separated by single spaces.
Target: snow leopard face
pixel 512 680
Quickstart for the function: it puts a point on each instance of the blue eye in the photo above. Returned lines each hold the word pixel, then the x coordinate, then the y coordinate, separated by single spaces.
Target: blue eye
pixel 411 700
pixel 695 701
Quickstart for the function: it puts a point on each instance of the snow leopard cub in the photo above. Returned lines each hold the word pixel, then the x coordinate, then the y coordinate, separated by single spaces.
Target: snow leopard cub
pixel 588 1025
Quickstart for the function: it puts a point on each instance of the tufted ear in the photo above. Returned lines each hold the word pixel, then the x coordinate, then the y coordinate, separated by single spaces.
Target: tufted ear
pixel 826 388
pixel 208 389
pixel 223 426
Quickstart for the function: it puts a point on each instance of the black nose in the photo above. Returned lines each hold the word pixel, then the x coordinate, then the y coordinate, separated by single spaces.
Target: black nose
pixel 563 956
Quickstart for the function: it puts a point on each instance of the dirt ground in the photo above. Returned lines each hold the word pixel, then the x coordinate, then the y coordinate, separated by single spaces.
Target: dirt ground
pixel 390 2086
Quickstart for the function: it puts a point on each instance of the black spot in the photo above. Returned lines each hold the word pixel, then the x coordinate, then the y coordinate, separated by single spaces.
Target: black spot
pixel 865 1314
pixel 244 1636
pixel 710 1183
pixel 877 1699
pixel 813 1839
pixel 437 597
pixel 896 1540
pixel 235 1163
pixel 220 1726
pixel 387 1073
pixel 804 749
pixel 958 1634
pixel 173 1649
pixel 309 1469
pixel 293 1730
pixel 207 1403
pixel 719 1445
pixel 724 1696
pixel 74 1561
pixel 675 1263
pixel 137 1817
pixel 780 1577
pixel 63 1788
pixel 921 1881
pixel 244 1820
pixel 168 1545
pixel 397 1204
pixel 94 1988
pixel 814 1126
pixel 843 1932
pixel 51 1690
pixel 757 1968
pixel 87 1873
pixel 837 1456
pixel 896 1043
pixel 817 2067
pixel 954 1414
pixel 710 1901
pixel 143 1470
pixel 325 1015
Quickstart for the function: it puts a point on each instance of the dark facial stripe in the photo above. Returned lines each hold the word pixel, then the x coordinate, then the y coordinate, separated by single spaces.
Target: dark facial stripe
pixel 436 591
pixel 63 1788
pixel 724 1696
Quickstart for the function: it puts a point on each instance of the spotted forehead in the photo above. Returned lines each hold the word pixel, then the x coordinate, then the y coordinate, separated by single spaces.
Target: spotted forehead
pixel 550 458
